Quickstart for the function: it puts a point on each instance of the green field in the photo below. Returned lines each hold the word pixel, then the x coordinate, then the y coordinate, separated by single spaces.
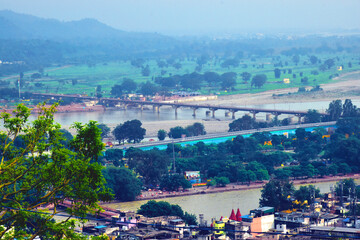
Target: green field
pixel 60 80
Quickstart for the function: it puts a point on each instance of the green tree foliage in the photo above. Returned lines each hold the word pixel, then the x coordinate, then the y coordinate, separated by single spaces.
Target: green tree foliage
pixel 191 81
pixel 45 172
pixel 161 134
pixel 162 208
pixel 244 123
pixel 228 80
pixel 276 194
pixel 67 137
pixel 277 73
pixel 312 116
pixel 105 130
pixel 212 78
pixel 329 63
pixel 221 181
pixel 308 193
pixel 87 142
pixel 114 154
pixel 130 131
pixel 174 182
pixel 234 62
pixel 148 89
pixel 124 184
pixel 145 71
pixel 116 90
pixel 344 187
pixel 296 59
pixel 128 85
pixel 313 59
pixel 196 129
pixel 335 110
pixel 349 110
pixel 151 165
pixel 246 76
pixel 177 132
pixel 258 80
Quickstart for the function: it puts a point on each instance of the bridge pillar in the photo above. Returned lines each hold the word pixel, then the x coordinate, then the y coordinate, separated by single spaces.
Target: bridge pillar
pixel 254 114
pixel 213 111
pixel 158 108
pixel 194 111
pixel 176 108
pixel 299 117
pixel 233 113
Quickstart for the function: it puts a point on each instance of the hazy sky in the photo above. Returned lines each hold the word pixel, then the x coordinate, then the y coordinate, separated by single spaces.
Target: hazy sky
pixel 200 16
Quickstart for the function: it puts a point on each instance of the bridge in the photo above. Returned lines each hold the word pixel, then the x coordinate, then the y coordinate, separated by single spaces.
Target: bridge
pixel 156 105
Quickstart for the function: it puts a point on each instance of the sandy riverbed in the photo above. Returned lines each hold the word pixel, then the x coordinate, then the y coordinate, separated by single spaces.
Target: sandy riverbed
pixel 345 86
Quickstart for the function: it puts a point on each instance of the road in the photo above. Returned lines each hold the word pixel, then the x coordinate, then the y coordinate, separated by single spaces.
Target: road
pixel 225 134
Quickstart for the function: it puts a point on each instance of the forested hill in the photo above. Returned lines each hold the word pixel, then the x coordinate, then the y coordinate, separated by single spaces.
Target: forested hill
pixel 21 26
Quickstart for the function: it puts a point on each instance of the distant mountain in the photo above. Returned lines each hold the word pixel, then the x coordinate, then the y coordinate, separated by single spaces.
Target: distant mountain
pixel 22 26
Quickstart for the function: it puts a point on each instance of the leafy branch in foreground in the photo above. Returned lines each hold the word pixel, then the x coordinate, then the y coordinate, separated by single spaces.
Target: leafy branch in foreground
pixel 43 172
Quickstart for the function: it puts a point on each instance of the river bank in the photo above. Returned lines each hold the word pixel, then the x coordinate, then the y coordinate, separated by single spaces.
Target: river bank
pixel 157 194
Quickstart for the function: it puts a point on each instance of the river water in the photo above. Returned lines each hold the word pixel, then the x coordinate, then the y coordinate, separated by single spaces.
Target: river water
pixel 215 205
pixel 167 113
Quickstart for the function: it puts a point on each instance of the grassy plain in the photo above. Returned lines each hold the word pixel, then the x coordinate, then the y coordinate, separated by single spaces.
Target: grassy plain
pixel 86 77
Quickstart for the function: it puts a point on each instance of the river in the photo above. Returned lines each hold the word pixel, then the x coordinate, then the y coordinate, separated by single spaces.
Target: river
pixel 215 205
pixel 168 113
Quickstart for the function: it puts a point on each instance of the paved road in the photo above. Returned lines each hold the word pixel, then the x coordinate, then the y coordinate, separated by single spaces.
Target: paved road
pixel 225 134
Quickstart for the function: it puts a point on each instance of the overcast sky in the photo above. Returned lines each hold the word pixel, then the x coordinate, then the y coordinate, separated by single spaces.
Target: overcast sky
pixel 200 16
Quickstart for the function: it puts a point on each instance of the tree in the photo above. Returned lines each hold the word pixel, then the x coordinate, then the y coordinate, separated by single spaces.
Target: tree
pixel 276 194
pixel 105 130
pixel 277 73
pixel 174 182
pixel 66 135
pixel 221 181
pixel 228 80
pixel 161 134
pixel 335 110
pixel 329 63
pixel 116 91
pixel 308 193
pixel 162 208
pixel 128 85
pixel 130 131
pixel 313 59
pixel 195 130
pixel 212 78
pixel 234 62
pixel 312 116
pixel 114 154
pixel 45 172
pixel 244 123
pixel 246 76
pixel 177 132
pixel 151 165
pixel 349 110
pixel 145 71
pixel 148 89
pixel 123 183
pixel 258 80
pixel 296 59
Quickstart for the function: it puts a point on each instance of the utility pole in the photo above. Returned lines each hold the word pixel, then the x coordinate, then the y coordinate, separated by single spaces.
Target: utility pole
pixel 19 88
pixel 173 148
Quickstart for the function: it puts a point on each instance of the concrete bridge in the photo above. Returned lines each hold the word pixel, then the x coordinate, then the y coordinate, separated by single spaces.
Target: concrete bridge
pixel 156 105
